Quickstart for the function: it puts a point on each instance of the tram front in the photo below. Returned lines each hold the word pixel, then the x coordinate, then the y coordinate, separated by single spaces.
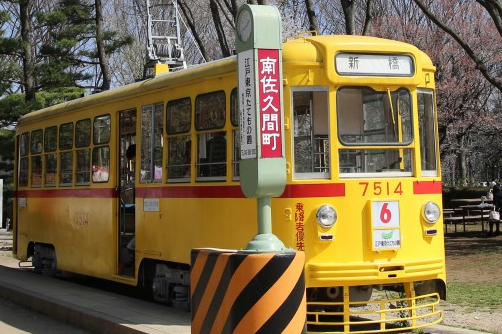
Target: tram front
pixel 364 186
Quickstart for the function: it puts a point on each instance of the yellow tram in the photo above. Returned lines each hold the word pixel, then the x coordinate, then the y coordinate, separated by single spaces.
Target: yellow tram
pixel 121 185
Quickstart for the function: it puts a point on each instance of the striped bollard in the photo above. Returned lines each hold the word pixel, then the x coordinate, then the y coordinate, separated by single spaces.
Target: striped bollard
pixel 245 293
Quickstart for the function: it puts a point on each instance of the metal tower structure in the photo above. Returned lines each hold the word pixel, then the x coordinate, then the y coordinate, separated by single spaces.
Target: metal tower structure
pixel 164 51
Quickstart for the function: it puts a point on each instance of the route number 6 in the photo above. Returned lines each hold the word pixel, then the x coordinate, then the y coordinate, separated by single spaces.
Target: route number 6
pixel 385 213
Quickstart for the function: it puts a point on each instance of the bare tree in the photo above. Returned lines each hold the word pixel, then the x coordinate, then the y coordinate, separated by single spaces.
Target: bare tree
pixel 314 24
pixel 190 20
pixel 348 11
pixel 220 31
pixel 494 9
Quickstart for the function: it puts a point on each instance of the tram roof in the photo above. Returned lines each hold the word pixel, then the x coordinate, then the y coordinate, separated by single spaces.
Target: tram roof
pixel 299 50
pixel 331 44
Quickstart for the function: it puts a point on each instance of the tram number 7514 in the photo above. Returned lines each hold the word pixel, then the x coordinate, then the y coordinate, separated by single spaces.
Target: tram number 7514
pixel 381 188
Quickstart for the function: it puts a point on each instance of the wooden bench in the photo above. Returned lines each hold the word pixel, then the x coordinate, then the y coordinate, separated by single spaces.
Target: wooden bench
pixel 461 216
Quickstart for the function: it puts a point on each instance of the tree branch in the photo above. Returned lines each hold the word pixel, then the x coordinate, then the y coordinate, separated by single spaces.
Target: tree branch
pixel 480 65
pixel 369 16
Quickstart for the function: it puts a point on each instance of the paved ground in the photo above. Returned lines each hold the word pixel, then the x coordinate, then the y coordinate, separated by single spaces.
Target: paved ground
pixel 18 319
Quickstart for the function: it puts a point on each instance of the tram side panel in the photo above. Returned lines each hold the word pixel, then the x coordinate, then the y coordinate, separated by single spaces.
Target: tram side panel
pixel 182 224
pixel 79 229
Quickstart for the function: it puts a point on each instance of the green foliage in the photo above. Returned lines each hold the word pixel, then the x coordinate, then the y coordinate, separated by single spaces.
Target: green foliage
pixel 58 95
pixel 7 144
pixel 7 140
pixel 14 106
pixel 9 71
pixel 475 296
pixel 71 26
pixel 72 29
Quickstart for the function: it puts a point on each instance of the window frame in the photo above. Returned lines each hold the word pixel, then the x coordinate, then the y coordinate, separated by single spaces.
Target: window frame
pixel 199 99
pixel 150 137
pixel 298 175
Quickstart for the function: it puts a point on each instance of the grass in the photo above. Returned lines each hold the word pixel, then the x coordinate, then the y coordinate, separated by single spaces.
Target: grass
pixel 486 295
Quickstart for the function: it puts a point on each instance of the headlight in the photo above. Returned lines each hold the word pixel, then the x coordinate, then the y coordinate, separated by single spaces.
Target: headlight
pixel 431 212
pixel 326 216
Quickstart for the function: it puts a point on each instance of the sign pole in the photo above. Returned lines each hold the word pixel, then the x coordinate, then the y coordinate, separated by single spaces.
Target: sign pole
pixel 262 166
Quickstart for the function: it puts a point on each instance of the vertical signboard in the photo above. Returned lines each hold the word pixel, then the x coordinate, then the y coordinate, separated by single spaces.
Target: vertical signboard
pixel 259 58
pixel 269 86
pixel 247 104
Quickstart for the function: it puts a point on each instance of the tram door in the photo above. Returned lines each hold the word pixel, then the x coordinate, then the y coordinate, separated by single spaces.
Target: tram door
pixel 127 210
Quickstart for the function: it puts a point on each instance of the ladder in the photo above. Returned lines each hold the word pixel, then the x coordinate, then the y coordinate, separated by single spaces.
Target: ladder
pixel 164 50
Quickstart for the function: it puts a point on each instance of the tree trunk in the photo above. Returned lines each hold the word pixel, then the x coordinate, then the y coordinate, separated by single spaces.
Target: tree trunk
pixel 225 50
pixel 369 16
pixel 190 22
pixel 462 162
pixel 348 12
pixel 103 60
pixel 29 81
pixel 314 24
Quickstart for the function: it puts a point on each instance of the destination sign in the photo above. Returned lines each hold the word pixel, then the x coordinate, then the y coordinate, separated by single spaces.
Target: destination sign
pixel 374 64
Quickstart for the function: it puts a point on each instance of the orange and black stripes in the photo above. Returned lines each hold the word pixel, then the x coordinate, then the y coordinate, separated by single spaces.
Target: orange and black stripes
pixel 243 293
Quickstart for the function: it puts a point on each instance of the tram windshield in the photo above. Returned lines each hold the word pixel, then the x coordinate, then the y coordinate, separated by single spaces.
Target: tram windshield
pixel 374 118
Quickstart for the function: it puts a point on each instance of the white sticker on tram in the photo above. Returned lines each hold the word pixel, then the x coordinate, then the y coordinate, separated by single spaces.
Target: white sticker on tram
pixel 151 205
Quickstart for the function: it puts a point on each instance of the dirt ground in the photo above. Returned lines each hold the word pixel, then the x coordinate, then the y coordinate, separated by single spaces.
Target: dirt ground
pixel 472 258
pixel 469 259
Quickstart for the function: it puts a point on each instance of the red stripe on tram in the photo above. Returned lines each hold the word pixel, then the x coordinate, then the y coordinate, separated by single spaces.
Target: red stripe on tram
pixel 314 190
pixel 427 187
pixel 291 191
pixel 58 193
pixel 190 192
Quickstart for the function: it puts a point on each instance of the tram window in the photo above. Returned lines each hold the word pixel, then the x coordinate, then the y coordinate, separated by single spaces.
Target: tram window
pixel 83 133
pixel 236 154
pixel 428 134
pixel 152 140
pixel 178 159
pixel 311 129
pixel 23 171
pixel 101 164
pixel 24 144
pixel 234 107
pixel 37 137
pixel 234 118
pixel 366 116
pixel 101 129
pixel 36 171
pixel 212 156
pixel 210 111
pixel 83 171
pixel 51 139
pixel 66 136
pixel 377 160
pixel 369 117
pixel 51 164
pixel 178 116
pixel 66 173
